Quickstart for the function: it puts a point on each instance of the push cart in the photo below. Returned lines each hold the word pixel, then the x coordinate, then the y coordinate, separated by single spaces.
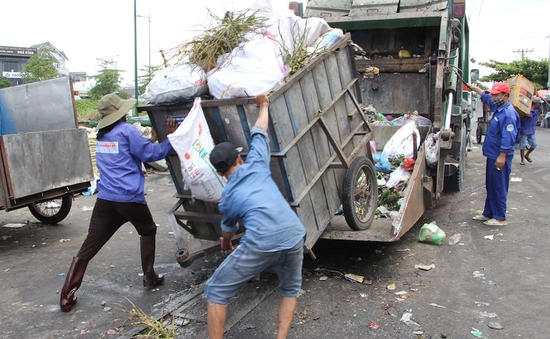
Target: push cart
pixel 319 141
pixel 44 156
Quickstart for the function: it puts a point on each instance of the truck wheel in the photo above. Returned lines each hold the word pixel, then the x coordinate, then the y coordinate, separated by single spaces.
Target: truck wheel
pixel 52 211
pixel 360 194
pixel 453 183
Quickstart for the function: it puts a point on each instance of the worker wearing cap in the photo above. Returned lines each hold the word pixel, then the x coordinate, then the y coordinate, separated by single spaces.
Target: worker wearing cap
pixel 274 236
pixel 498 148
pixel 527 131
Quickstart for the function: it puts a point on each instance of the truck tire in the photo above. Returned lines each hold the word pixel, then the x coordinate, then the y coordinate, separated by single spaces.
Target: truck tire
pixel 478 135
pixel 453 183
pixel 360 194
pixel 52 211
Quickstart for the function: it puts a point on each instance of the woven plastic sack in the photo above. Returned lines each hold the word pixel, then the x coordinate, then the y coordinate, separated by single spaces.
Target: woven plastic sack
pixel 193 143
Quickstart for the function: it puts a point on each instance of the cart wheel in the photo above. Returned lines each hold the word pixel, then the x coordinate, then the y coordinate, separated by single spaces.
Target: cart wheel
pixel 478 135
pixel 360 194
pixel 52 211
pixel 182 256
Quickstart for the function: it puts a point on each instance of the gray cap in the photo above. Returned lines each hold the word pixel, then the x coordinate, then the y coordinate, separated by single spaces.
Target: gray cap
pixel 537 100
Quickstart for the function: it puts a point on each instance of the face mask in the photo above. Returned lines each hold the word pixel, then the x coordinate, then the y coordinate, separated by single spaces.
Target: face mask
pixel 498 102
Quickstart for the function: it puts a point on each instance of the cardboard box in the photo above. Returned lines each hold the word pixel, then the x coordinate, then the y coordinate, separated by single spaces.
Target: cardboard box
pixel 521 94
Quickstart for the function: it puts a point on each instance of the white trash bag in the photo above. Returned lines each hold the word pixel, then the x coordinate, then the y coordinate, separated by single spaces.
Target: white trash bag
pixel 193 143
pixel 401 143
pixel 176 84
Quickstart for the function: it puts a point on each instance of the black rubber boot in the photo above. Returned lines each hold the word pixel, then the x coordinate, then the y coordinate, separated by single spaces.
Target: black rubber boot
pixel 72 284
pixel 150 278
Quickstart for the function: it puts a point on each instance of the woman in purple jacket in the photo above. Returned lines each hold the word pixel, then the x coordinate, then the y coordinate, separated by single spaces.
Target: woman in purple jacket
pixel 120 152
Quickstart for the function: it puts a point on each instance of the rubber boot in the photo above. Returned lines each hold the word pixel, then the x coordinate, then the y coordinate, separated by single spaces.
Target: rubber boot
pixel 72 284
pixel 150 278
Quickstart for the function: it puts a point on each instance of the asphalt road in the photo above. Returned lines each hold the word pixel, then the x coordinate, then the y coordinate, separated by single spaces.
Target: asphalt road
pixel 494 277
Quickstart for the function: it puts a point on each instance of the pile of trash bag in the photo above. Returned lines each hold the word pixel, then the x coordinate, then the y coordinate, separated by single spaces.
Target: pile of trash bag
pixel 257 66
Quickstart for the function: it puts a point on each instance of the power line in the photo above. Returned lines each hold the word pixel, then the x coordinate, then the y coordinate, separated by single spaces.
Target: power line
pixel 523 52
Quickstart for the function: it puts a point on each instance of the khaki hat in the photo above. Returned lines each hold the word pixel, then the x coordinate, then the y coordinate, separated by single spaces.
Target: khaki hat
pixel 112 108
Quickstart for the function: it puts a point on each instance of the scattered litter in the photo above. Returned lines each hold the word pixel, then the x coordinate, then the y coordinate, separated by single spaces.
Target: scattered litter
pixel 480 303
pixel 323 278
pixel 60 274
pixel 454 239
pixel 355 258
pixel 488 315
pixel 87 208
pixel 495 326
pixel 424 267
pixel 106 309
pixel 354 278
pixel 478 274
pixel 367 282
pixel 477 333
pixel 111 332
pixel 5 237
pixel 363 295
pixel 13 225
pixel 436 305
pixel 171 233
pixel 515 179
pixel 374 326
pixel 391 286
pixel 181 322
pixel 103 303
pixel 489 237
pixel 406 318
pixel 403 250
pixel 430 233
pixel 90 325
pixel 400 293
pixel 64 240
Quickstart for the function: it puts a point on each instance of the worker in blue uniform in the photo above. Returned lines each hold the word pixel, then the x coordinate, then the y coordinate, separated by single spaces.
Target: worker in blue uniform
pixel 498 148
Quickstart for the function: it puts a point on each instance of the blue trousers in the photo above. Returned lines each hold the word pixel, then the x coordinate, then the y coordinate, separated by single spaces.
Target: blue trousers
pixel 496 184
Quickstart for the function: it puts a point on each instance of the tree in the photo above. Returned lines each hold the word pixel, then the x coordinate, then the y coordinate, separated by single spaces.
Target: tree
pixel 107 81
pixel 41 66
pixel 4 83
pixel 535 71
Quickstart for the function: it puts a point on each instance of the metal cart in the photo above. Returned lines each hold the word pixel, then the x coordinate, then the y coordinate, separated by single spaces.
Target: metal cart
pixel 320 159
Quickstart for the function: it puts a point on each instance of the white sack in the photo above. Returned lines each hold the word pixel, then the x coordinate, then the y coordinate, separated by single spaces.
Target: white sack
pixel 250 71
pixel 175 84
pixel 193 143
pixel 401 143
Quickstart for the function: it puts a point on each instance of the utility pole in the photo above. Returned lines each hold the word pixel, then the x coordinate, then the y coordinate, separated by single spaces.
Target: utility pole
pixel 523 52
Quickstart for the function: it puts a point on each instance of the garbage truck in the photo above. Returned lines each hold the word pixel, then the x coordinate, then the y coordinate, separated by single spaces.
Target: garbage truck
pixel 414 57
pixel 322 159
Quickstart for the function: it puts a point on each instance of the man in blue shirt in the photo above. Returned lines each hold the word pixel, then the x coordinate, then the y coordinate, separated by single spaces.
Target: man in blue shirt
pixel 274 236
pixel 120 151
pixel 527 131
pixel 498 148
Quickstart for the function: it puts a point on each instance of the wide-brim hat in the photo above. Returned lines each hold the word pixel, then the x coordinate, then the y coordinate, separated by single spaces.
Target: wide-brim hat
pixel 112 108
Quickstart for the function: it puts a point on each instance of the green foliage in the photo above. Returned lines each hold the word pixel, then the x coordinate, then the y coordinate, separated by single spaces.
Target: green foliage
pixel 4 83
pixel 107 81
pixel 221 37
pixel 41 66
pixel 535 71
pixel 86 109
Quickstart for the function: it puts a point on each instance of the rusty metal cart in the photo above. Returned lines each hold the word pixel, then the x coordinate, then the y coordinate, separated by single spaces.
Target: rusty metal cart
pixel 320 156
pixel 44 156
